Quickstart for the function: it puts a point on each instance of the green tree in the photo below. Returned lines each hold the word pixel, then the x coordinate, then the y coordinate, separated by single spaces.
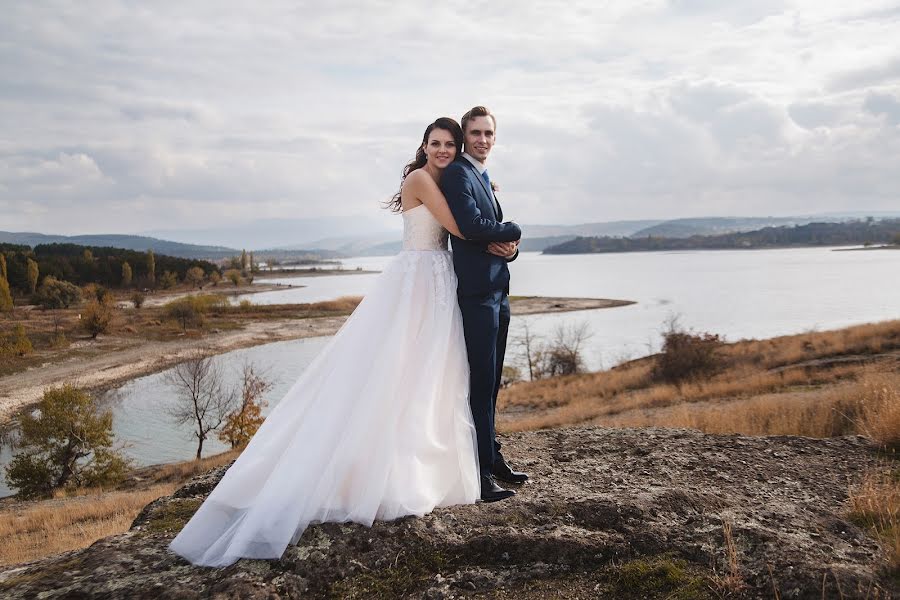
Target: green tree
pixel 55 293
pixel 126 274
pixel 241 424
pixel 151 267
pixel 6 300
pixel 33 274
pixel 66 442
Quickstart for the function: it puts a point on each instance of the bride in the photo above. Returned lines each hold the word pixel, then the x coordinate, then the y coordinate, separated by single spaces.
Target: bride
pixel 379 424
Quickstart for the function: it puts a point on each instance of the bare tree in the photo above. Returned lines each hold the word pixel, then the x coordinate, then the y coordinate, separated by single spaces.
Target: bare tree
pixel 561 355
pixel 530 346
pixel 564 354
pixel 202 398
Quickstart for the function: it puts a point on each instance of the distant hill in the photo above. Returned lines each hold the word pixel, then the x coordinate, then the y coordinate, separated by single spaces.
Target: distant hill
pixel 683 228
pixel 288 233
pixel 127 242
pixel 611 228
pixel 811 234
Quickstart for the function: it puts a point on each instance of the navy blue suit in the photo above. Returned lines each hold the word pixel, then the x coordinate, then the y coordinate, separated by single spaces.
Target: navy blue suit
pixel 482 292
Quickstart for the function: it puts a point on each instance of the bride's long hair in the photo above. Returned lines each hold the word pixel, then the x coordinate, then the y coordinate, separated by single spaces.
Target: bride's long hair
pixel 445 123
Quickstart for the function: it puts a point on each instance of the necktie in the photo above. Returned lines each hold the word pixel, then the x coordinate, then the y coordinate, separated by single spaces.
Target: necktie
pixel 487 180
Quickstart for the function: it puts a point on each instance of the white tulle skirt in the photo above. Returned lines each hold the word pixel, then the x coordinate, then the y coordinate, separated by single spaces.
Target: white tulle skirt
pixel 377 427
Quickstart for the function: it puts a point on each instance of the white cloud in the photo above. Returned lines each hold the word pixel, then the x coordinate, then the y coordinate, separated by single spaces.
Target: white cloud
pixel 204 113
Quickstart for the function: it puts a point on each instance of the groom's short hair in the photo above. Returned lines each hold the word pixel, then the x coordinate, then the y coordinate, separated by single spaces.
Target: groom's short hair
pixel 477 111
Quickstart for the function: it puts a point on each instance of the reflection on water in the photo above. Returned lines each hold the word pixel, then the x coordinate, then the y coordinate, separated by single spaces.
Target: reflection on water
pixel 737 294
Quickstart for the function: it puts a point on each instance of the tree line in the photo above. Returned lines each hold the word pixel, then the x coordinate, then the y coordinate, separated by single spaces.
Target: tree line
pixel 26 267
pixel 868 232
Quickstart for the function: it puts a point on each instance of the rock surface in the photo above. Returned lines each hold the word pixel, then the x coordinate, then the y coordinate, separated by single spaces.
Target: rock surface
pixel 609 513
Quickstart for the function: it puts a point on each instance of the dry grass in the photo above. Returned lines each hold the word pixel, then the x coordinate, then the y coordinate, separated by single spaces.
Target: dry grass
pixel 875 504
pixel 76 519
pixel 43 328
pixel 869 406
pixel 815 384
pixel 54 526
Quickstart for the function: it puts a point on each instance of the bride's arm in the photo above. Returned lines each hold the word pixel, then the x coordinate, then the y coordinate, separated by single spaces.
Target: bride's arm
pixel 423 188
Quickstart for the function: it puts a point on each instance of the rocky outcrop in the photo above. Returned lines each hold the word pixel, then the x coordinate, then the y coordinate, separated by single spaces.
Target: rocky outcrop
pixel 610 513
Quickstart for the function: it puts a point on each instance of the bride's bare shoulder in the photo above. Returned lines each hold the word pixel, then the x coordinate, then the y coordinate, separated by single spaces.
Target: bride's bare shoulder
pixel 419 180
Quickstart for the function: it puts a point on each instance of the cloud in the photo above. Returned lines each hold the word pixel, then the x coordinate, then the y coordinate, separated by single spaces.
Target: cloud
pixel 883 104
pixel 123 117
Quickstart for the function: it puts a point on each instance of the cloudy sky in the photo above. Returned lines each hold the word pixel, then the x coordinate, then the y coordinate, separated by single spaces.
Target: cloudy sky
pixel 126 116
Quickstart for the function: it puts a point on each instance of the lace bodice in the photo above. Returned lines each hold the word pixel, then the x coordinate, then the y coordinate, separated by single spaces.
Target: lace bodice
pixel 421 231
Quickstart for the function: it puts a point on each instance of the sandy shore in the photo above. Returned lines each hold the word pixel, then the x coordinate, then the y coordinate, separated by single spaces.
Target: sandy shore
pixel 111 361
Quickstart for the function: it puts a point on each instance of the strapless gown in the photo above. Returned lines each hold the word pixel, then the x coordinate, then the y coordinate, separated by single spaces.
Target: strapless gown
pixel 377 427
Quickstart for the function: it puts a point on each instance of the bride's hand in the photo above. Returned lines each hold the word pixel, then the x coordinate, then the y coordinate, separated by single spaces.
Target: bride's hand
pixel 503 249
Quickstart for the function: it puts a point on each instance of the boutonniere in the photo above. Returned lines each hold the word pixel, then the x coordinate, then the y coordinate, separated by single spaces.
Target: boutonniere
pixel 495 187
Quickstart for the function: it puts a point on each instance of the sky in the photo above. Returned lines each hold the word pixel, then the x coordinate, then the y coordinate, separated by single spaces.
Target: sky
pixel 127 116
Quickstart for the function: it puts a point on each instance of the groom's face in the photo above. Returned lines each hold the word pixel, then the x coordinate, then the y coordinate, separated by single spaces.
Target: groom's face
pixel 479 137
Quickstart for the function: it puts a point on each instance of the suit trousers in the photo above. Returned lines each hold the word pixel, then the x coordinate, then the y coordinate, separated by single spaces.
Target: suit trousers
pixel 485 327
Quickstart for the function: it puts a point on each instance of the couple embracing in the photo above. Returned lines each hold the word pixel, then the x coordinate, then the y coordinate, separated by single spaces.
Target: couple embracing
pixel 395 416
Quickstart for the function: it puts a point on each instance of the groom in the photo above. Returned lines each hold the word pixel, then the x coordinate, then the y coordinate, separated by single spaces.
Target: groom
pixel 480 263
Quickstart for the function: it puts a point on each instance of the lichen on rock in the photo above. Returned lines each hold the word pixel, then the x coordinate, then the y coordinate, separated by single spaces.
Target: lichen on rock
pixel 619 513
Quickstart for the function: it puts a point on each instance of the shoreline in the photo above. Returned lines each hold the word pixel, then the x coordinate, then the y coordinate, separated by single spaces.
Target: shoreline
pixel 119 360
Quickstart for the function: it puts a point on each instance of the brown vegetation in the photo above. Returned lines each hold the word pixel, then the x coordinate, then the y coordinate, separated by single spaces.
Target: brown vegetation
pixel 76 519
pixel 875 504
pixel 816 384
pixel 51 331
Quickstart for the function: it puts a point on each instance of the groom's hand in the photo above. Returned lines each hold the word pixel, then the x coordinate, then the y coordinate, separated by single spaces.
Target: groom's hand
pixel 503 249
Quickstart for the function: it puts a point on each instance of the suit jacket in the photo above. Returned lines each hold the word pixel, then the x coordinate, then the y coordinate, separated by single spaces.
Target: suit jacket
pixel 480 221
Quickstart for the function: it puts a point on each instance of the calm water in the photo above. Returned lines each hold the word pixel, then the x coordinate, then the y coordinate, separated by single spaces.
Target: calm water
pixel 737 294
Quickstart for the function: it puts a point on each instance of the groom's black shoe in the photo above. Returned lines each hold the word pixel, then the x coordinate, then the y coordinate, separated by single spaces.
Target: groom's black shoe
pixel 503 472
pixel 491 492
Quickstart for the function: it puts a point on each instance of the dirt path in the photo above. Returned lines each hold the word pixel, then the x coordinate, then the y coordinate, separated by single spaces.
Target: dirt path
pixel 112 360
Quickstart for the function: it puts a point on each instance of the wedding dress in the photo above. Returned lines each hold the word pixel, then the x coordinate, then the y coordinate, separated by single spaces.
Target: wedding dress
pixel 377 427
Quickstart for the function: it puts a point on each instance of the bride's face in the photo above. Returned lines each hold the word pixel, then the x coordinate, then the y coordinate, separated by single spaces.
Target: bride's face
pixel 440 148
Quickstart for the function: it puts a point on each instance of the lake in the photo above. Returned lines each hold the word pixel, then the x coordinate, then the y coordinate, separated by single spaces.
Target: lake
pixel 736 294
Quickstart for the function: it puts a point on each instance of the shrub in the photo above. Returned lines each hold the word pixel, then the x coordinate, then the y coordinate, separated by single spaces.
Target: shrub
pixel 562 355
pixel 185 311
pixel 16 345
pixel 234 276
pixel 686 356
pixel 191 309
pixel 137 299
pixel 510 376
pixel 55 293
pixel 98 316
pixel 65 442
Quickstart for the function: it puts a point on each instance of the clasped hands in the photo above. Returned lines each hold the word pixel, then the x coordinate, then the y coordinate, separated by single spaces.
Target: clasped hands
pixel 503 249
